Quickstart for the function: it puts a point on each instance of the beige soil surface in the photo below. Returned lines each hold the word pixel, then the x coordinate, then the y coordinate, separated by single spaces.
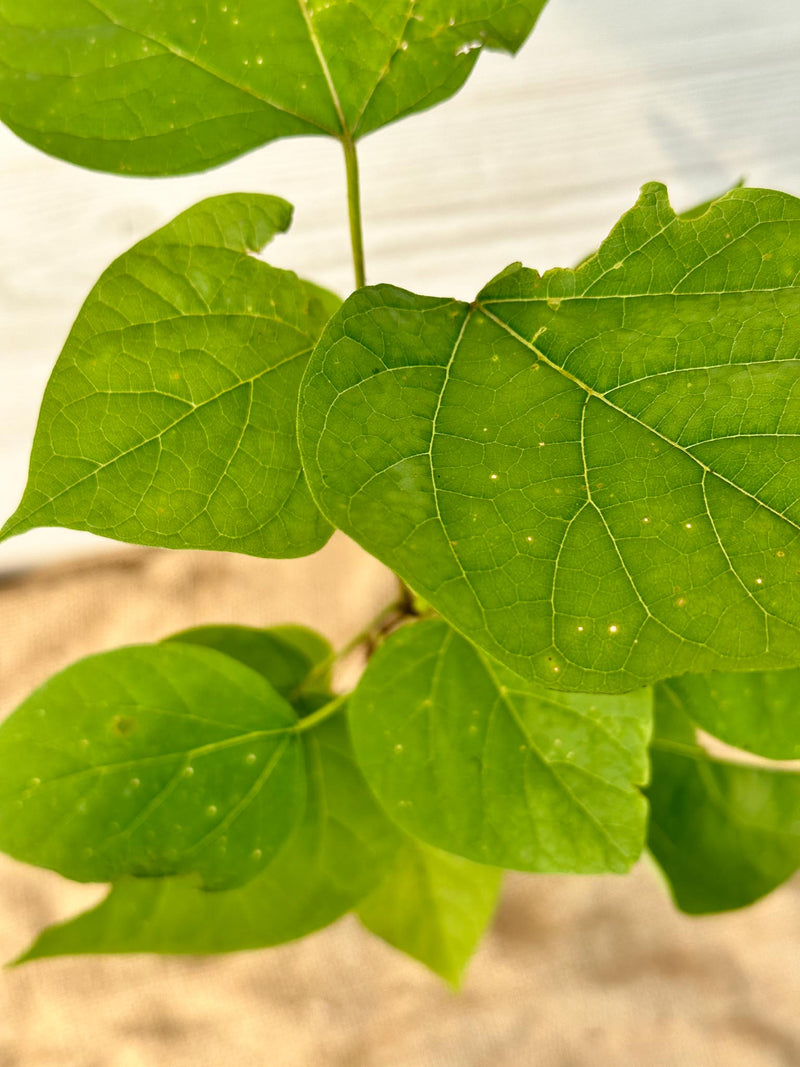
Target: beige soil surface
pixel 592 972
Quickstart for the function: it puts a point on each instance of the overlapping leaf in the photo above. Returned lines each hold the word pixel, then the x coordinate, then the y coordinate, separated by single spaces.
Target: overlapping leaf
pixel 758 712
pixel 433 906
pixel 724 834
pixel 337 854
pixel 169 418
pixel 471 758
pixel 593 474
pixel 151 760
pixel 290 657
pixel 148 87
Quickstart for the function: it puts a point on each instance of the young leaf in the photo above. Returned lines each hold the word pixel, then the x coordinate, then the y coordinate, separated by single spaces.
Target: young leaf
pixel 339 852
pixel 169 418
pixel 757 712
pixel 594 474
pixel 151 760
pixel 723 833
pixel 470 757
pixel 285 655
pixel 433 906
pixel 154 88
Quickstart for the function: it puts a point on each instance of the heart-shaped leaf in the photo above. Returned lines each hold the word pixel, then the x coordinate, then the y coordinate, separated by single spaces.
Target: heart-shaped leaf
pixel 337 854
pixel 724 834
pixel 433 906
pixel 148 87
pixel 758 712
pixel 593 474
pixel 169 418
pixel 471 758
pixel 151 760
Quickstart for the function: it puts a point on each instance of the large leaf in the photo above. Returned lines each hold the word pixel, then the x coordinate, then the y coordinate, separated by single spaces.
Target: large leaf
pixel 593 474
pixel 337 855
pixel 433 906
pixel 724 834
pixel 150 87
pixel 287 656
pixel 170 416
pixel 151 760
pixel 758 712
pixel 469 757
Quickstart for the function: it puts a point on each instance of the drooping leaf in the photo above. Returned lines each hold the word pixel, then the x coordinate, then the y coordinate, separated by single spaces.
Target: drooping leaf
pixel 469 757
pixel 285 655
pixel 724 834
pixel 151 760
pixel 593 474
pixel 169 418
pixel 758 712
pixel 149 87
pixel 339 852
pixel 433 906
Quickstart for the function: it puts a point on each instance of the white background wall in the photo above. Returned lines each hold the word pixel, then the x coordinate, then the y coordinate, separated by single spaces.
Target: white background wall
pixel 534 160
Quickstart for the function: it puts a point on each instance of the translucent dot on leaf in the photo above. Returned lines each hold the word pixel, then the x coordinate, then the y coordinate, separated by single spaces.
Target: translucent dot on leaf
pixel 250 757
pixel 256 854
pixel 398 749
pixel 211 809
pixel 135 783
pixel 613 628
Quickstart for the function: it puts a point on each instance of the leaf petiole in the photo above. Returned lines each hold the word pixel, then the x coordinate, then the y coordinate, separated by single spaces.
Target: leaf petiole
pixel 321 714
pixel 354 209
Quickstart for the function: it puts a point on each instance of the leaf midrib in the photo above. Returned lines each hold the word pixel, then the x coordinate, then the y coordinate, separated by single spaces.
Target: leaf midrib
pixel 633 418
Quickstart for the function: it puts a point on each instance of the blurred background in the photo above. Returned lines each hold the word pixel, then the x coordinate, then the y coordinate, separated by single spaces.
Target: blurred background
pixel 534 160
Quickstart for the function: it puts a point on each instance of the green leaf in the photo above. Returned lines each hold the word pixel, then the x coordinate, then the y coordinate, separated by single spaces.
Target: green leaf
pixel 339 852
pixel 169 418
pixel 151 760
pixel 724 834
pixel 594 474
pixel 433 906
pixel 167 88
pixel 337 855
pixel 285 655
pixel 758 712
pixel 471 758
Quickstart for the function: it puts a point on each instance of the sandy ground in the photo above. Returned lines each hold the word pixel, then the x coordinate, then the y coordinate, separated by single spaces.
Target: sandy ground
pixel 575 972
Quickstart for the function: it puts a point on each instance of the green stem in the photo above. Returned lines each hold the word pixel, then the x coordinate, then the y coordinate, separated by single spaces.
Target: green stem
pixel 397 607
pixel 354 207
pixel 321 714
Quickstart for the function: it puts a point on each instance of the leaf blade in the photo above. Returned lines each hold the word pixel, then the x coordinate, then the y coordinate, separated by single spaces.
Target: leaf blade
pixel 724 834
pixel 470 758
pixel 77 80
pixel 434 907
pixel 169 417
pixel 520 461
pixel 151 760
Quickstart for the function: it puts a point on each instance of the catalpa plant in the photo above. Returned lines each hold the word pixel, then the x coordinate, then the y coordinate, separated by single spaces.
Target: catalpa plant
pixel 587 483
